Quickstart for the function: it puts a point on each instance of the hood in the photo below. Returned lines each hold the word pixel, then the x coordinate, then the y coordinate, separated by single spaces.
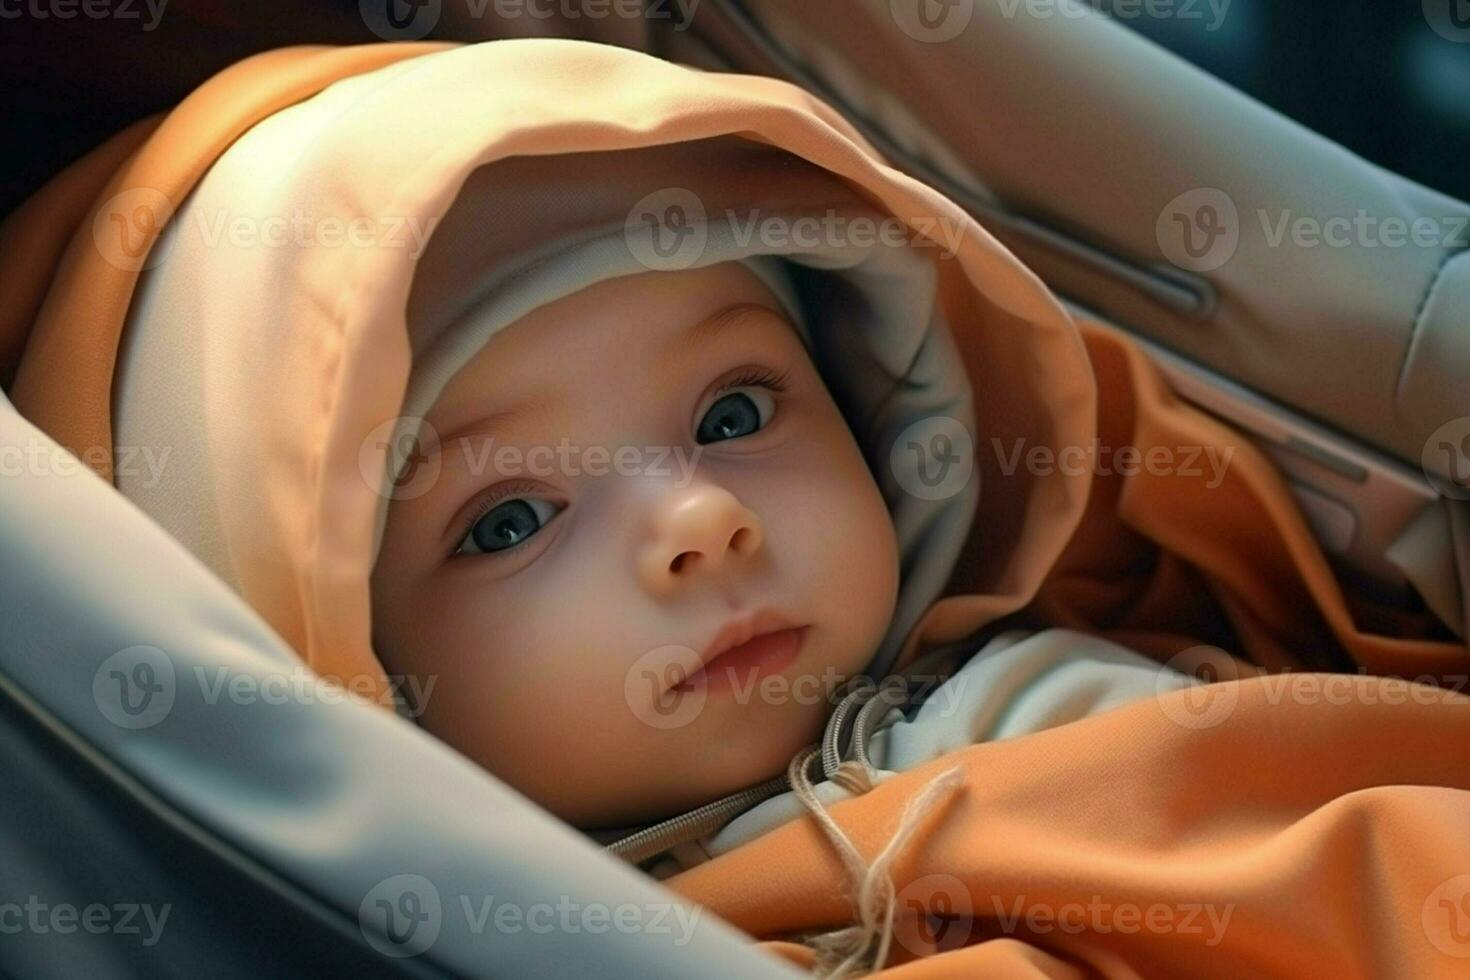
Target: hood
pixel 197 306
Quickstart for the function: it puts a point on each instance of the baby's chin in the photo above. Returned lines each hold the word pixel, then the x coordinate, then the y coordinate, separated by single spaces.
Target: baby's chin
pixel 734 744
pixel 708 762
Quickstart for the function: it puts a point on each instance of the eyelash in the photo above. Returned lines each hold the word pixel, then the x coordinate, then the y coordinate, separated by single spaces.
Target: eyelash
pixel 495 495
pixel 749 377
pixel 755 377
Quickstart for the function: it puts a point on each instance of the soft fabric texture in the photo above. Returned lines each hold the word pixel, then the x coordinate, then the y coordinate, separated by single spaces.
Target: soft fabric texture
pixel 1332 829
pixel 1018 683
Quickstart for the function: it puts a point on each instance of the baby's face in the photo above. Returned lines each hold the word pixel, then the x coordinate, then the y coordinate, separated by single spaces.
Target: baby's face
pixel 632 479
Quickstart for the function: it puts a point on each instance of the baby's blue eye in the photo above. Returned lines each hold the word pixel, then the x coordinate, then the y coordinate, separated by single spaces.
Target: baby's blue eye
pixel 736 414
pixel 506 525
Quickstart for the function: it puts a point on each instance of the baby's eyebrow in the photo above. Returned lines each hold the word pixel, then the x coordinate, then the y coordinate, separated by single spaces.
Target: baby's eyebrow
pixel 532 407
pixel 719 324
pixel 669 357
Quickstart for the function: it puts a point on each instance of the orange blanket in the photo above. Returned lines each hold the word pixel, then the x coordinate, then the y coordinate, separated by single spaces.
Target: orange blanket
pixel 1279 823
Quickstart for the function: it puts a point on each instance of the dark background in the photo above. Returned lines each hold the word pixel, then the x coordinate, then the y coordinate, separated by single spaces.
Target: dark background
pixel 1370 74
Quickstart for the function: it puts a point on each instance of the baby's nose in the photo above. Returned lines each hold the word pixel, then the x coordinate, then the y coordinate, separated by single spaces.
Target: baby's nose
pixel 697 533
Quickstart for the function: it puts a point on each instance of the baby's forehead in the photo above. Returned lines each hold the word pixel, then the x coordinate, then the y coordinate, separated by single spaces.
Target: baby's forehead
pixel 646 307
pixel 646 329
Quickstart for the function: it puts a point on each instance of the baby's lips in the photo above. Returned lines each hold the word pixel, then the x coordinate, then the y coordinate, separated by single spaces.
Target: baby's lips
pixel 764 654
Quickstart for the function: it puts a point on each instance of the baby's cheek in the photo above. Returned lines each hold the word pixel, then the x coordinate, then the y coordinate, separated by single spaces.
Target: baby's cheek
pixel 585 762
pixel 859 551
pixel 547 691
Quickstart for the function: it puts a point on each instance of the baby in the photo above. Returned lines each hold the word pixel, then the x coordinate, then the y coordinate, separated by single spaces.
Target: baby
pixel 693 441
pixel 768 568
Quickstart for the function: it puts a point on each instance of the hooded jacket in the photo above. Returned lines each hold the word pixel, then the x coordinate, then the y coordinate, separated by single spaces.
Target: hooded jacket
pixel 1261 809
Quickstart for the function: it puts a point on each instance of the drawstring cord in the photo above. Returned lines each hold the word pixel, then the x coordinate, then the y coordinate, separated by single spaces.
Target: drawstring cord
pixel 860 949
pixel 652 841
pixel 850 725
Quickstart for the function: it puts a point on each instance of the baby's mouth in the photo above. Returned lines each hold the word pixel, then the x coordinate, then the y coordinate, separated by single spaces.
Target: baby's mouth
pixel 745 651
